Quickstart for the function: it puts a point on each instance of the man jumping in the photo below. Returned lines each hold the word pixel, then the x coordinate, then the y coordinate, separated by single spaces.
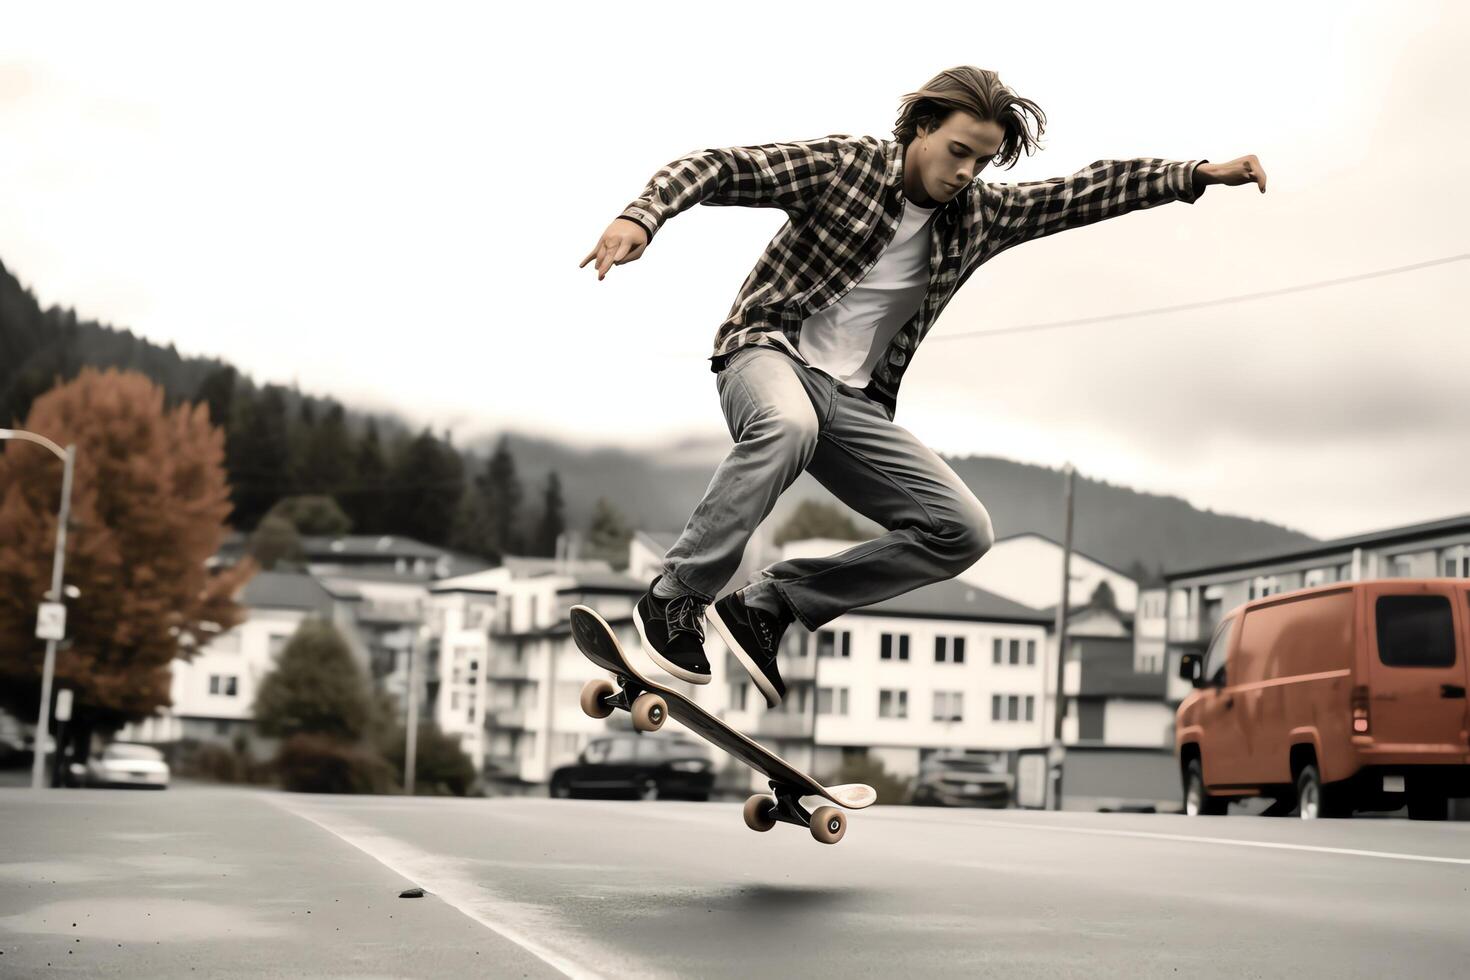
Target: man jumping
pixel 881 235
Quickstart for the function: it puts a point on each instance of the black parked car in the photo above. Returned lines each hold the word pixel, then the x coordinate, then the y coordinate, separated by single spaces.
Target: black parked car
pixel 649 767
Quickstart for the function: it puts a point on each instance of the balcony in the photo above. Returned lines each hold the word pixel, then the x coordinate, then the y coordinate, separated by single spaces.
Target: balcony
pixel 776 724
pixel 504 667
pixel 793 668
pixel 512 717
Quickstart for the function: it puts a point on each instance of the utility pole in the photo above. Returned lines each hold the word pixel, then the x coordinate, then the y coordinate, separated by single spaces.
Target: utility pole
pixel 1057 750
pixel 50 622
pixel 410 748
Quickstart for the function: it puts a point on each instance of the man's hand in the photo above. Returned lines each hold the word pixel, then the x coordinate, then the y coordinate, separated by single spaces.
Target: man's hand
pixel 1241 170
pixel 624 241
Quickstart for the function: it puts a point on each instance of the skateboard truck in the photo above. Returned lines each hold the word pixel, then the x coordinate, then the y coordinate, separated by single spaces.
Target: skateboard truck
pixel 649 710
pixel 827 823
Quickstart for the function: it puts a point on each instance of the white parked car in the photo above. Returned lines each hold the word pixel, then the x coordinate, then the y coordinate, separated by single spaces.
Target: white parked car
pixel 124 764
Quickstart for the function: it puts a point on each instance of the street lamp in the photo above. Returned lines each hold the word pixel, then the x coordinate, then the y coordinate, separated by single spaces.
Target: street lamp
pixel 52 629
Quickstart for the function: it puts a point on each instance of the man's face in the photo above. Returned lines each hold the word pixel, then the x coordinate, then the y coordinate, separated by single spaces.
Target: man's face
pixel 941 161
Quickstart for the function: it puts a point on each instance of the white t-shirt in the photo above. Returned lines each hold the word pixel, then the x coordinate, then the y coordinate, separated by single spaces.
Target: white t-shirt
pixel 847 338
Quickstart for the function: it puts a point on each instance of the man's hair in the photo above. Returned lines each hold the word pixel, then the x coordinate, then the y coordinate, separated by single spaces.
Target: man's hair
pixel 980 93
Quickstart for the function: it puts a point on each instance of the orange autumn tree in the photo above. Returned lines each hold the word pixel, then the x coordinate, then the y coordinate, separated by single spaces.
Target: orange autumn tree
pixel 148 507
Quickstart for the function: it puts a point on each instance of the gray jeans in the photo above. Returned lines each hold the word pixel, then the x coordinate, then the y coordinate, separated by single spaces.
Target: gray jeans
pixel 786 417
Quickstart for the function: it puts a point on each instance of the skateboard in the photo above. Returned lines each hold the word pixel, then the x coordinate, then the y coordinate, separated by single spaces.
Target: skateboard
pixel 650 703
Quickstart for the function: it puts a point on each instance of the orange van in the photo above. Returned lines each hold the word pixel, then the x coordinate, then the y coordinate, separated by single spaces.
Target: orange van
pixel 1332 699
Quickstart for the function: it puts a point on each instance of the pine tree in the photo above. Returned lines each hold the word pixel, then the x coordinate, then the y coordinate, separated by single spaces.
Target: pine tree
pixel 366 502
pixel 553 521
pixel 217 391
pixel 608 535
pixel 260 457
pixel 503 494
pixel 816 520
pixel 316 688
pixel 425 486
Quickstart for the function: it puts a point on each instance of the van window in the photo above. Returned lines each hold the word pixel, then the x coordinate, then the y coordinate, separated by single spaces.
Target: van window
pixel 1415 631
pixel 1214 669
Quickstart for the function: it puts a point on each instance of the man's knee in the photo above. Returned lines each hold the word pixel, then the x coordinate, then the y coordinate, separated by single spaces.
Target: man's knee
pixel 968 534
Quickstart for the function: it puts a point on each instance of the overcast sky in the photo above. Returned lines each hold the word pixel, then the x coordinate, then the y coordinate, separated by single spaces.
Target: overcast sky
pixel 388 206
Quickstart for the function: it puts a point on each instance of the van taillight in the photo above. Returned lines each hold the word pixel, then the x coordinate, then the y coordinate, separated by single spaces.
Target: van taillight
pixel 1360 709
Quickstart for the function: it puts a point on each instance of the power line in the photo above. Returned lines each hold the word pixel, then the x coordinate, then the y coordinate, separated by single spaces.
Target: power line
pixel 1224 300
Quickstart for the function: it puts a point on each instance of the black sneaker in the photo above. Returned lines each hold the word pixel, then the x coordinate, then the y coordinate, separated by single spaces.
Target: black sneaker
pixel 673 634
pixel 754 636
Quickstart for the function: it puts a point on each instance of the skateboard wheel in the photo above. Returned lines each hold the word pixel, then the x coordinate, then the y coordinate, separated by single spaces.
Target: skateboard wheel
pixel 592 694
pixel 758 815
pixel 828 824
pixel 649 712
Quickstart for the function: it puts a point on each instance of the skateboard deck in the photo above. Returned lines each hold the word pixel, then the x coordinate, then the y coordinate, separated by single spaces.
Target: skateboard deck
pixel 650 702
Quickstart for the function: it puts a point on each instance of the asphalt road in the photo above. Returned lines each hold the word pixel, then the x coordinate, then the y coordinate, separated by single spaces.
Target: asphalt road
pixel 221 882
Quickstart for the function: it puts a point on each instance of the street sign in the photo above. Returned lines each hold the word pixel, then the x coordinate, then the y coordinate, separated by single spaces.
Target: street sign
pixel 51 621
pixel 63 704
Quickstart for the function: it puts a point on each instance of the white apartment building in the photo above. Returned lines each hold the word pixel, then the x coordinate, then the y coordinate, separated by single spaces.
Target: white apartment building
pixel 213 694
pixel 507 677
pixel 1199 596
pixel 1027 568
pixel 947 666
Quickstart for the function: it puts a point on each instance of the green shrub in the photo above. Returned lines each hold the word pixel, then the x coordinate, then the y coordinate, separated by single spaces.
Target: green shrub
pixel 440 767
pixel 320 764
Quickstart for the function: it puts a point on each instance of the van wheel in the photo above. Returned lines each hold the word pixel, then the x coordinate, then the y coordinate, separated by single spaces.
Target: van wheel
pixel 1197 801
pixel 1316 799
pixel 1427 806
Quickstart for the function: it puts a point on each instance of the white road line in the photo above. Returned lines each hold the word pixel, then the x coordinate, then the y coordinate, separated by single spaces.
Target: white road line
pixel 1354 852
pixel 526 926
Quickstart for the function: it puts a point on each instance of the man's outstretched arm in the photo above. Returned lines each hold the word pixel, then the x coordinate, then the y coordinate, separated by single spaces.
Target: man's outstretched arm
pixel 1014 213
pixel 790 176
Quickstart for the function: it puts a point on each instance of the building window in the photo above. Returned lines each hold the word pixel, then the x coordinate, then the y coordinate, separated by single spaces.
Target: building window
pixel 1013 708
pixel 995 705
pixel 831 700
pixel 894 646
pixel 996 650
pixel 1015 652
pixel 738 694
pixel 949 649
pixel 893 704
pixel 949 706
pixel 1030 653
pixel 834 643
pixel 223 684
pixel 1030 706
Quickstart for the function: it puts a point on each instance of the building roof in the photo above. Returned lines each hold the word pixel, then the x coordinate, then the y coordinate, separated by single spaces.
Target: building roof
pixel 367 546
pixel 953 599
pixel 605 582
pixel 286 590
pixel 528 566
pixel 1075 612
pixel 659 541
pixel 1062 547
pixel 1390 536
pixel 1107 671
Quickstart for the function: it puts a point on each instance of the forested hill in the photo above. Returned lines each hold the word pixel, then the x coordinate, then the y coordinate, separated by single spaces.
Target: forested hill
pixel 390 480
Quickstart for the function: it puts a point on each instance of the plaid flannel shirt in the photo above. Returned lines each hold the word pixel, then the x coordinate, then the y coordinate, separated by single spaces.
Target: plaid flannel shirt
pixel 843 196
